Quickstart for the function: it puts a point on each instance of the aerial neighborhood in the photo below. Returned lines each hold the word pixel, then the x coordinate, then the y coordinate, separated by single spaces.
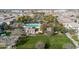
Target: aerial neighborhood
pixel 39 29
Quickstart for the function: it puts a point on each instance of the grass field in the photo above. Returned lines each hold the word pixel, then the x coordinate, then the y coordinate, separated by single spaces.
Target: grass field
pixel 58 41
pixel 54 42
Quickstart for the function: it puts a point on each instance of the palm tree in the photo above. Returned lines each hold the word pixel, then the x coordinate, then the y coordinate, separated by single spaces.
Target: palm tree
pixel 53 23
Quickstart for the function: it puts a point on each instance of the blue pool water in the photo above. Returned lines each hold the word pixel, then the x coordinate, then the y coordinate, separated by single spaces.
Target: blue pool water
pixel 33 25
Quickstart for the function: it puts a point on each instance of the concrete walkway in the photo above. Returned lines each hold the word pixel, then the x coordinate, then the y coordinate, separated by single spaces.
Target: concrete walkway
pixel 10 46
pixel 73 41
pixel 12 42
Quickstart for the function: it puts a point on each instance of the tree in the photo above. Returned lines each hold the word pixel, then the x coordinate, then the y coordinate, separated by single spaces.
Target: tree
pixel 47 44
pixel 19 19
pixel 28 19
pixel 22 40
pixel 43 27
pixel 5 26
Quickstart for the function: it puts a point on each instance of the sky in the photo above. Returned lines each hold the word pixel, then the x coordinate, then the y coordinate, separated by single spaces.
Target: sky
pixel 38 4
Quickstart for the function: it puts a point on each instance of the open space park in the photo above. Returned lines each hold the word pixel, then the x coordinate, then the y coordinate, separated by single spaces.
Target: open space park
pixel 58 41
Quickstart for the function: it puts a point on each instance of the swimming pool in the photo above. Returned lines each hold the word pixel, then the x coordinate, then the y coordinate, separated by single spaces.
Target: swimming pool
pixel 33 25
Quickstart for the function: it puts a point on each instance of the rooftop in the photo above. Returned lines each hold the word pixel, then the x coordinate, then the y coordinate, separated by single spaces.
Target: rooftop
pixel 74 25
pixel 65 20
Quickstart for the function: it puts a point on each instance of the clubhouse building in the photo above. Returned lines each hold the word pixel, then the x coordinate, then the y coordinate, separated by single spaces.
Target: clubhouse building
pixel 32 28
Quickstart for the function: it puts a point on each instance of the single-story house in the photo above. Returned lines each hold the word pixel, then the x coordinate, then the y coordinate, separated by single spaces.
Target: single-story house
pixel 7 20
pixel 70 24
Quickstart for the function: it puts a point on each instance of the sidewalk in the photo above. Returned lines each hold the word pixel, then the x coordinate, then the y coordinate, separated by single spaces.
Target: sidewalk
pixel 12 42
pixel 73 41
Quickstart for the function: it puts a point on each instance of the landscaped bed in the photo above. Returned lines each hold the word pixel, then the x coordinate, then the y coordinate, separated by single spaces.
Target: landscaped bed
pixel 58 41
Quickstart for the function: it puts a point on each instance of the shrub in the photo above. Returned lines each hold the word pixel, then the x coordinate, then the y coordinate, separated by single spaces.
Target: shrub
pixel 21 41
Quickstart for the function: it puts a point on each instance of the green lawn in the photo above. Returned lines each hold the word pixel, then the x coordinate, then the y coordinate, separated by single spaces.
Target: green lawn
pixel 58 41
pixel 55 42
pixel 75 38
